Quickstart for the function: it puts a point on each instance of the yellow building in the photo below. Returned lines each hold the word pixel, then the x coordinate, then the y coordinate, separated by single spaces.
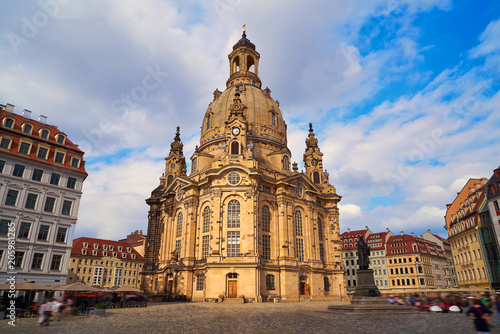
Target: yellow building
pixel 462 220
pixel 104 263
pixel 244 223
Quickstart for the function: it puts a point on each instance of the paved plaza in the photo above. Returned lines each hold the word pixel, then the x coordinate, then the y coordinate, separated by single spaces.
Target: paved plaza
pixel 307 317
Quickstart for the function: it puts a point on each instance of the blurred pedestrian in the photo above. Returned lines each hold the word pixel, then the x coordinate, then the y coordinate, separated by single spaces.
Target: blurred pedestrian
pixel 45 313
pixel 497 305
pixel 481 317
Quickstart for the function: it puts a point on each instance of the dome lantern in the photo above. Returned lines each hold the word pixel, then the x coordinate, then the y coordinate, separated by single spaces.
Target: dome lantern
pixel 244 63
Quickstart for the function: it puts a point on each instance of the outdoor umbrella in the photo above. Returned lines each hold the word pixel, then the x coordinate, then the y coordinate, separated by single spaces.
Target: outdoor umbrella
pixel 78 287
pixel 25 285
pixel 127 289
pixel 56 287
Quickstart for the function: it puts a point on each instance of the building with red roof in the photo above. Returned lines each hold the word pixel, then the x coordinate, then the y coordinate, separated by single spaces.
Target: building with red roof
pixel 450 275
pixel 41 175
pixel 136 240
pixel 105 263
pixel 349 244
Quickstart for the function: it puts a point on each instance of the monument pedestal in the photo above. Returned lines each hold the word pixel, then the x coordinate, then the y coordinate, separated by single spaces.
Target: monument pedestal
pixel 367 298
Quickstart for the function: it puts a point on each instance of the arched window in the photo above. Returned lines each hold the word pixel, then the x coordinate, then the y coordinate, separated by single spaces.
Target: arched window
pixel 286 162
pixel 235 147
pixel 194 165
pixel 236 65
pixel 250 64
pixel 316 177
pixel 298 223
pixel 266 219
pixel 326 283
pixel 170 178
pixel 320 229
pixel 209 121
pixel 269 282
pixel 206 219
pixel 179 225
pixel 273 118
pixel 233 213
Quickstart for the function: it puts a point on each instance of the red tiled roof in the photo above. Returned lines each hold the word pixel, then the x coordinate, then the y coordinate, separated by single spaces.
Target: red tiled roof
pixel 135 239
pixel 352 235
pixel 405 241
pixel 16 133
pixel 376 236
pixel 78 246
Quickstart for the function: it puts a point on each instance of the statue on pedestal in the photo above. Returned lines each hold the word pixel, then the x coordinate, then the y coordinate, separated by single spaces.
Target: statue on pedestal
pixel 363 254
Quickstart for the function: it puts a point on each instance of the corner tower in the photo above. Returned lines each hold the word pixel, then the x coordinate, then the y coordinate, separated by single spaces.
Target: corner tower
pixel 242 223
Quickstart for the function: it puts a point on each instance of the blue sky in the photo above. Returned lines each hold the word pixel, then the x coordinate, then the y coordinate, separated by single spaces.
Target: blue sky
pixel 403 95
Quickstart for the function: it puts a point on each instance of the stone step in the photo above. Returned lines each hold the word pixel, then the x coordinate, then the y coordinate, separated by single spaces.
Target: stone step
pixel 234 301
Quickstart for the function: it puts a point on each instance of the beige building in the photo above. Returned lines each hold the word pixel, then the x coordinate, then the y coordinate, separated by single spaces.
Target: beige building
pixel 462 223
pixel 105 263
pixel 245 222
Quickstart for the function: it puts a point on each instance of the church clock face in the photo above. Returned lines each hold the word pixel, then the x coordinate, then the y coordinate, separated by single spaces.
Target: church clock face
pixel 236 131
pixel 172 166
pixel 314 162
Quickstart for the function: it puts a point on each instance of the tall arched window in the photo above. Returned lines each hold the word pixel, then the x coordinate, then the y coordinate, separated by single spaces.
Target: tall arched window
pixel 316 177
pixel 235 147
pixel 250 64
pixel 298 223
pixel 206 219
pixel 194 165
pixel 320 229
pixel 179 225
pixel 209 121
pixel 170 178
pixel 266 219
pixel 233 213
pixel 286 162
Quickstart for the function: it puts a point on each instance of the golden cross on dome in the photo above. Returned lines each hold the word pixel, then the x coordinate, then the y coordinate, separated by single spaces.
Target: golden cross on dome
pixel 244 30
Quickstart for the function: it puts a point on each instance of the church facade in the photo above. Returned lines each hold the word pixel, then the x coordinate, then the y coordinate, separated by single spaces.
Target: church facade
pixel 245 223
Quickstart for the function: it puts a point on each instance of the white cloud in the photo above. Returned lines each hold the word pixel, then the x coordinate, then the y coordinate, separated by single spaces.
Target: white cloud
pixel 490 41
pixel 349 211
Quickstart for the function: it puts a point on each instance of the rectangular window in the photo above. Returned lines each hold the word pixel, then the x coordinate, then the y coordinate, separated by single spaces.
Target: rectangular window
pixel 42 153
pixel 31 201
pixel 54 179
pixel 266 247
pixel 200 282
pixel 24 148
pixel 205 247
pixel 71 183
pixel 24 230
pixel 4 227
pixel 233 243
pixel 43 233
pixel 300 249
pixel 321 253
pixel 37 261
pixel 2 165
pixel 5 143
pixel 66 208
pixel 11 197
pixel 37 175
pixel 178 248
pixel 56 262
pixel 49 204
pixel 19 259
pixel 118 276
pixel 61 234
pixel 59 158
pixel 18 170
pixel 98 271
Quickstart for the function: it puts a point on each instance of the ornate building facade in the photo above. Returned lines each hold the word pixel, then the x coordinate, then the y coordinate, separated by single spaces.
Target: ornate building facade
pixel 245 223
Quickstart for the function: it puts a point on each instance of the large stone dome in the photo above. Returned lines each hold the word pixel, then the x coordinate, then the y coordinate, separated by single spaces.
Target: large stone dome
pixel 260 111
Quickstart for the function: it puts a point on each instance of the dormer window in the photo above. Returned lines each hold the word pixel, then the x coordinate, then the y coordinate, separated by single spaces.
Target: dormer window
pixel 104 253
pixel 84 252
pixel 124 255
pixel 59 157
pixel 44 133
pixel 85 245
pixel 133 256
pixel 60 138
pixel 114 254
pixel 120 248
pixel 111 247
pixel 8 122
pixel 94 252
pixel 27 128
pixel 24 147
pixel 129 249
pixel 5 143
pixel 75 162
pixel 105 247
pixel 43 152
pixel 96 246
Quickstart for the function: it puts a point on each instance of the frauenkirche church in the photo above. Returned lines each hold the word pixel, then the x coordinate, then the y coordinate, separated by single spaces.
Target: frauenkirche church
pixel 245 223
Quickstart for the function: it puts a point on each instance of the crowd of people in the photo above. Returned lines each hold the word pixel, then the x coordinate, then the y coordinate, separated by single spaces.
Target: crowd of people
pixel 54 309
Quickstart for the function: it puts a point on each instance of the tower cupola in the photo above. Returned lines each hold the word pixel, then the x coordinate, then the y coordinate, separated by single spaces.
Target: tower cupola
pixel 244 63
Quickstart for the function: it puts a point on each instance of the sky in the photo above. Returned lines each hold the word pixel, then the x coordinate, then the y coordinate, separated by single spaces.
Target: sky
pixel 403 94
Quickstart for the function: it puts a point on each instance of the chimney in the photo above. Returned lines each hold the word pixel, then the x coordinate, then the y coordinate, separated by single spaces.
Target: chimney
pixel 412 234
pixel 348 230
pixel 429 230
pixel 42 119
pixel 140 232
pixel 26 113
pixel 9 108
pixel 366 227
pixel 387 229
pixel 402 233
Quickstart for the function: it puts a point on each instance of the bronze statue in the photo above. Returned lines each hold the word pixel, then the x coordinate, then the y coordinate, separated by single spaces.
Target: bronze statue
pixel 363 254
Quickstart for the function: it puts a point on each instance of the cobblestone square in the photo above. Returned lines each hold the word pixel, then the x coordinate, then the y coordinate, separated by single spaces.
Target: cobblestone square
pixel 307 317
